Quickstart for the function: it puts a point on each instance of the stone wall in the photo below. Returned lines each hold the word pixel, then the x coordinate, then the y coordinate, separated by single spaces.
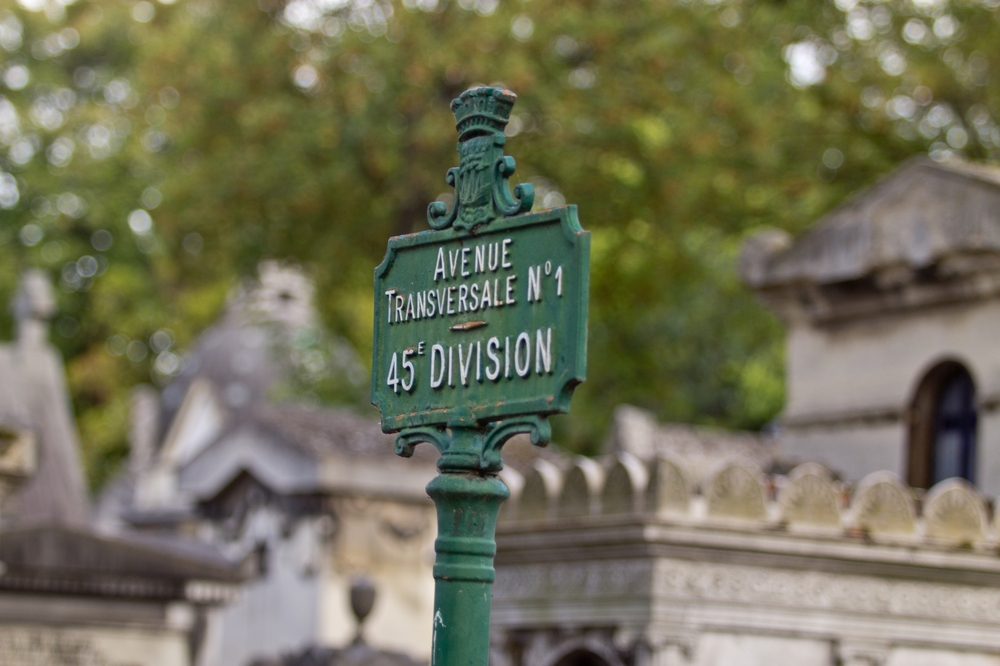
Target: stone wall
pixel 851 385
pixel 643 562
pixel 37 630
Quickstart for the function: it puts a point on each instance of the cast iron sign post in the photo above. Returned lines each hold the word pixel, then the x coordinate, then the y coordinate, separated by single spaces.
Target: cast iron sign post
pixel 480 334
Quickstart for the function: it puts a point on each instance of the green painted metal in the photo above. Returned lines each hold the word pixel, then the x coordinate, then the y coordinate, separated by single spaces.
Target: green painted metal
pixel 480 333
pixel 492 343
pixel 467 508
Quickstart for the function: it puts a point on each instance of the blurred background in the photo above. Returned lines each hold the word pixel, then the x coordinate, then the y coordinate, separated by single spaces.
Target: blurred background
pixel 153 153
pixel 194 195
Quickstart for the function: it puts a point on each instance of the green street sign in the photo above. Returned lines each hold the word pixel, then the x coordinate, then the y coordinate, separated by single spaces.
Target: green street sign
pixel 478 326
pixel 480 333
pixel 485 316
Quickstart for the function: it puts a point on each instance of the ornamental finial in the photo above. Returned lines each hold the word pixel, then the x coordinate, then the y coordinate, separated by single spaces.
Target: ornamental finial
pixel 482 192
pixel 482 111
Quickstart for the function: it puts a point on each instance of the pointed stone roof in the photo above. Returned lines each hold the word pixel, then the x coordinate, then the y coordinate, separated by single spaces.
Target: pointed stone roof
pixel 34 402
pixel 78 561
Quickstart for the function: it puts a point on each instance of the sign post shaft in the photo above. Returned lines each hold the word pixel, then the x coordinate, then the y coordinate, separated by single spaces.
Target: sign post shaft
pixel 467 509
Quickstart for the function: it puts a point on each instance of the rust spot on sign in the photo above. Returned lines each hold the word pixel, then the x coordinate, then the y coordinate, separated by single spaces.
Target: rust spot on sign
pixel 468 326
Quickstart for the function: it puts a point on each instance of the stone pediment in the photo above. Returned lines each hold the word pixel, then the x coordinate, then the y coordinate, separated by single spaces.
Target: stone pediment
pixel 926 229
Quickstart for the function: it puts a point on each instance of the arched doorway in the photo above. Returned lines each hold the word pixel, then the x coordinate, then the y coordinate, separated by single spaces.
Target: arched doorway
pixel 943 426
pixel 582 657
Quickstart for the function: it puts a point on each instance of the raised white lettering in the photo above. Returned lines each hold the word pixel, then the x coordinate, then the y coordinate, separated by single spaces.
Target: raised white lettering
pixel 480 265
pixel 543 351
pixel 437 350
pixel 408 366
pixel 450 365
pixel 393 378
pixel 422 304
pixel 506 357
pixel 494 373
pixel 522 370
pixel 431 307
pixel 534 283
pixel 493 257
pixel 464 365
pixel 473 296
pixel 486 300
pixel 479 361
pixel 390 294
pixel 439 265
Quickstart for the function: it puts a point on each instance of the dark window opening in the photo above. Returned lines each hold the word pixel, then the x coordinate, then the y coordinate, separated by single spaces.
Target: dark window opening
pixel 943 427
pixel 582 657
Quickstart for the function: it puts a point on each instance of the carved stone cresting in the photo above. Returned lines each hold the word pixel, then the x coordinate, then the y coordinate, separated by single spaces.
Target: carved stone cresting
pixel 736 491
pixel 514 481
pixel 955 512
pixel 541 486
pixel 809 498
pixel 625 486
pixel 884 506
pixel 669 489
pixel 581 489
pixel 808 501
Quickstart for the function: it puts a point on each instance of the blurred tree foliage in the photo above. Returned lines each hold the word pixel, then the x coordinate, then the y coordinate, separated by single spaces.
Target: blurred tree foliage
pixel 153 152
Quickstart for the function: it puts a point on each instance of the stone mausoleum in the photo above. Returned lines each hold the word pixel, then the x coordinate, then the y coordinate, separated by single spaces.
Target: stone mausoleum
pixel 862 534
pixel 71 594
pixel 892 302
pixel 311 497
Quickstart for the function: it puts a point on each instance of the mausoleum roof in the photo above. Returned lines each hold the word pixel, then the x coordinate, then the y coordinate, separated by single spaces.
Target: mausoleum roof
pixel 924 215
pixel 56 559
pixel 321 432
